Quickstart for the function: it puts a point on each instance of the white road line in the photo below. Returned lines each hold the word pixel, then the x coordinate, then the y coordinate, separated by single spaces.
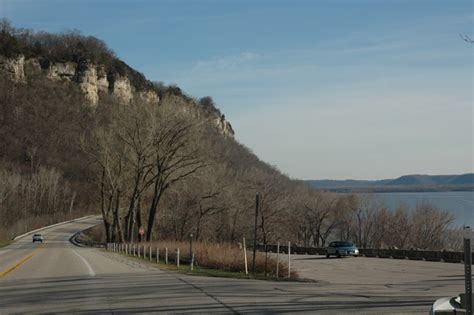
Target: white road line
pixel 91 271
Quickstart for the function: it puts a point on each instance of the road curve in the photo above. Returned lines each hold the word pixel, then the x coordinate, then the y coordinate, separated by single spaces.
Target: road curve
pixel 58 277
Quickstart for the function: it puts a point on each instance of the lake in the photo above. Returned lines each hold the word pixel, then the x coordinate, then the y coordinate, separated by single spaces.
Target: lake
pixel 459 203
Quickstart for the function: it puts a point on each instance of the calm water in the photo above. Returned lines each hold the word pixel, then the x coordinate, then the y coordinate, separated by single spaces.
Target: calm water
pixel 459 203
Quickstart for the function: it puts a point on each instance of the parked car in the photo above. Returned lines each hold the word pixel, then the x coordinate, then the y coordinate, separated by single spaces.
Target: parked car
pixel 37 238
pixel 341 248
pixel 447 305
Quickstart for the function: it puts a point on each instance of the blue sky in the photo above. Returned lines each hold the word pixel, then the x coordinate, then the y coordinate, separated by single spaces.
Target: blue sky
pixel 321 89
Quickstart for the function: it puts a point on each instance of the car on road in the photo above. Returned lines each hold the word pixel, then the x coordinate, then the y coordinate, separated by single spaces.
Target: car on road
pixel 341 248
pixel 448 305
pixel 38 238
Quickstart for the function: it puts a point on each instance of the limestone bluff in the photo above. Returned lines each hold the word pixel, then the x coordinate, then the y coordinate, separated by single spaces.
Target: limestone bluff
pixel 94 82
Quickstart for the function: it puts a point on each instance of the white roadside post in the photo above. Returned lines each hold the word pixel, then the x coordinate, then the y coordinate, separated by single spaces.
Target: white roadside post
pixel 150 252
pixel 191 253
pixel 278 259
pixel 166 255
pixel 157 255
pixel 289 259
pixel 177 257
pixel 245 258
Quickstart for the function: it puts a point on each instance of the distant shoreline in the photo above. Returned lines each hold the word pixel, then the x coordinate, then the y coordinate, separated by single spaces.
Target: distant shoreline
pixel 406 183
pixel 400 189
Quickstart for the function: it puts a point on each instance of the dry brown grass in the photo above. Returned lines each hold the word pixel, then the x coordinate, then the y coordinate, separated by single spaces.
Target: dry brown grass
pixel 96 234
pixel 223 256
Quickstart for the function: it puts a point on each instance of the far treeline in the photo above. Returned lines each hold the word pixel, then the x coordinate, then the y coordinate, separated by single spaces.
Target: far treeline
pixel 407 183
pixel 164 168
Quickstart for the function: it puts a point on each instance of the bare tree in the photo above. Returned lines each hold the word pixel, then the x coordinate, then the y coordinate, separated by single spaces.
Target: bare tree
pixel 173 160
pixel 430 225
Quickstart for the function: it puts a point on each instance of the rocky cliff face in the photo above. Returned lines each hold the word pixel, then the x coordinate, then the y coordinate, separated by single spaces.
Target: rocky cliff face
pixel 93 82
pixel 92 79
pixel 223 125
pixel 13 68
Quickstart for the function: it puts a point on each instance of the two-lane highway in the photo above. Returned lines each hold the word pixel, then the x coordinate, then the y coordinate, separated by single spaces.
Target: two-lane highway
pixel 55 257
pixel 58 277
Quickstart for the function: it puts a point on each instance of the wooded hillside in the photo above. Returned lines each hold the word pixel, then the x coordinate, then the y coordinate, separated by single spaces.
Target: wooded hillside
pixel 161 167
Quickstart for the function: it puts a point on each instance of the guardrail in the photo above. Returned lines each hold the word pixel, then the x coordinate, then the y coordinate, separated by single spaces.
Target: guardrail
pixel 425 255
pixel 50 226
pixel 77 240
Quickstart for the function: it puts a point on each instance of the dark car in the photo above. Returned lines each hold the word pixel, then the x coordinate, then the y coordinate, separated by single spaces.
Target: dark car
pixel 37 238
pixel 341 248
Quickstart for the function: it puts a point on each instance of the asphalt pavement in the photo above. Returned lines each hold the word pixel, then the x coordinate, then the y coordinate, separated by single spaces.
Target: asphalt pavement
pixel 59 277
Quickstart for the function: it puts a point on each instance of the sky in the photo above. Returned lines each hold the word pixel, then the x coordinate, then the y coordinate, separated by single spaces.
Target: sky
pixel 321 89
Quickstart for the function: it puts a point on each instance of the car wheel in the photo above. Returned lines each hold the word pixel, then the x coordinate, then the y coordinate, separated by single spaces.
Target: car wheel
pixel 327 255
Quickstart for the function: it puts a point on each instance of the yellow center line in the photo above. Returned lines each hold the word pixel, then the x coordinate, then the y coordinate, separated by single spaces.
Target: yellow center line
pixel 21 262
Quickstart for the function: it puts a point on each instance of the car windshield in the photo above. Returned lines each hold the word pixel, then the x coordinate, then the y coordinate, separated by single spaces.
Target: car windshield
pixel 343 244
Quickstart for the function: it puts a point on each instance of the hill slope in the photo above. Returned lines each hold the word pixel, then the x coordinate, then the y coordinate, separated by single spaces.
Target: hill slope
pixel 81 131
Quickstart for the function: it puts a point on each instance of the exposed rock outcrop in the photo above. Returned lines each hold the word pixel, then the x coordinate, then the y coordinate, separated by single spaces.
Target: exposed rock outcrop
pixel 92 80
pixel 149 97
pixel 62 71
pixel 13 67
pixel 122 89
pixel 224 126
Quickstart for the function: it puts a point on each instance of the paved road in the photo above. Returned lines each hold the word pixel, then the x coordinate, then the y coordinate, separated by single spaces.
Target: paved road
pixel 57 277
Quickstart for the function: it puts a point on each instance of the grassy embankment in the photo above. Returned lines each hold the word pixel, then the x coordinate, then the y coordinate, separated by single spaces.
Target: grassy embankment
pixel 4 243
pixel 211 259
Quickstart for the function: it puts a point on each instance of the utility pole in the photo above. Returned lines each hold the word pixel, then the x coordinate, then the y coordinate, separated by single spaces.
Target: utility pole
pixel 257 204
pixel 468 269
